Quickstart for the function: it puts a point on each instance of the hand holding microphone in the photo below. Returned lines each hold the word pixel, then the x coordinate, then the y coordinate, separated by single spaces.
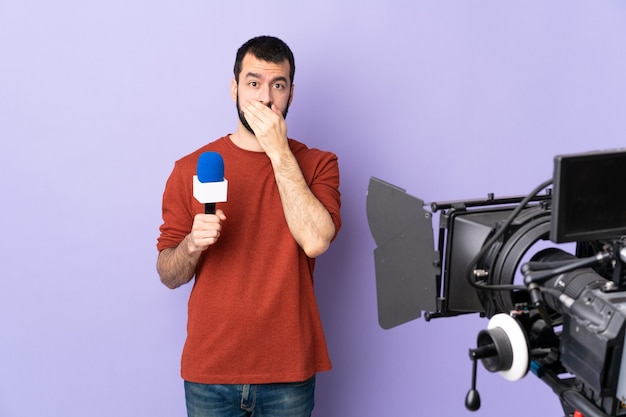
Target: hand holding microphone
pixel 209 187
pixel 205 231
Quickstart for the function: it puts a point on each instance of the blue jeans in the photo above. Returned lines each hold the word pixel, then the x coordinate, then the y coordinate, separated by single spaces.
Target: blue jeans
pixel 259 400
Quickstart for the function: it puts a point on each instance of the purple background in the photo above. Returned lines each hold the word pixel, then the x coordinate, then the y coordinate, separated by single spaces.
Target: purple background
pixel 447 99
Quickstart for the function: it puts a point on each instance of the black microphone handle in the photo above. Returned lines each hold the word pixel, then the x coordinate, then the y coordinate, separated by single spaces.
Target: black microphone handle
pixel 209 208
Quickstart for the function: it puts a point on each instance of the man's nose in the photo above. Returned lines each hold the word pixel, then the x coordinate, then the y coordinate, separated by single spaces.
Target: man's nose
pixel 265 96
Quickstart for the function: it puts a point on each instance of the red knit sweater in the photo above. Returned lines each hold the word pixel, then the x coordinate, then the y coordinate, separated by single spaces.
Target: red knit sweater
pixel 252 313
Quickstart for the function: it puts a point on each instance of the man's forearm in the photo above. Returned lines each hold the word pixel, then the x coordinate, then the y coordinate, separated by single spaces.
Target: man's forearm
pixel 309 222
pixel 176 266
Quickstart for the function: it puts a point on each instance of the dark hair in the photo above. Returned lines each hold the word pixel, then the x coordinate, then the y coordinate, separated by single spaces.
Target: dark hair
pixel 266 48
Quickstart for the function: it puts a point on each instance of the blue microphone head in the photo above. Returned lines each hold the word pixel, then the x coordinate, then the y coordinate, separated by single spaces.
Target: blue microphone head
pixel 210 167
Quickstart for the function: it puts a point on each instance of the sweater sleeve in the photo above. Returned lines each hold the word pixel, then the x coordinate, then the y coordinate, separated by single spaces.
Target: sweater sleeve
pixel 324 184
pixel 177 209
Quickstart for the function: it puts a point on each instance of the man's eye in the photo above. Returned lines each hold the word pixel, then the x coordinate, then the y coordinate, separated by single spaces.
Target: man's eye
pixel 279 86
pixel 252 83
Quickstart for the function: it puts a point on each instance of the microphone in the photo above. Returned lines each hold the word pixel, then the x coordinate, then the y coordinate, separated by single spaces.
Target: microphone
pixel 209 185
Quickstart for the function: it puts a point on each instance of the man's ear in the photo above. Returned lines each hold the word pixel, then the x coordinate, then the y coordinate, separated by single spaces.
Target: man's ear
pixel 233 90
pixel 291 94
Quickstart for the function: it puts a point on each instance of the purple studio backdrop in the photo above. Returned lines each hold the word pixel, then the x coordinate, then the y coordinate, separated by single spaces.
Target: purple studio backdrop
pixel 447 99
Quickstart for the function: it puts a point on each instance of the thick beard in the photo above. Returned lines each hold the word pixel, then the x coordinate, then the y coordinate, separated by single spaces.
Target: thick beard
pixel 243 120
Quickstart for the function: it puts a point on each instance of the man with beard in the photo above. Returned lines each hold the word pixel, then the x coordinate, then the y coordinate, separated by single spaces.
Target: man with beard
pixel 254 336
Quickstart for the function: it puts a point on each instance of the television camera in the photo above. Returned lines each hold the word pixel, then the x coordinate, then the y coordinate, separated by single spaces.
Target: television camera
pixel 565 321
